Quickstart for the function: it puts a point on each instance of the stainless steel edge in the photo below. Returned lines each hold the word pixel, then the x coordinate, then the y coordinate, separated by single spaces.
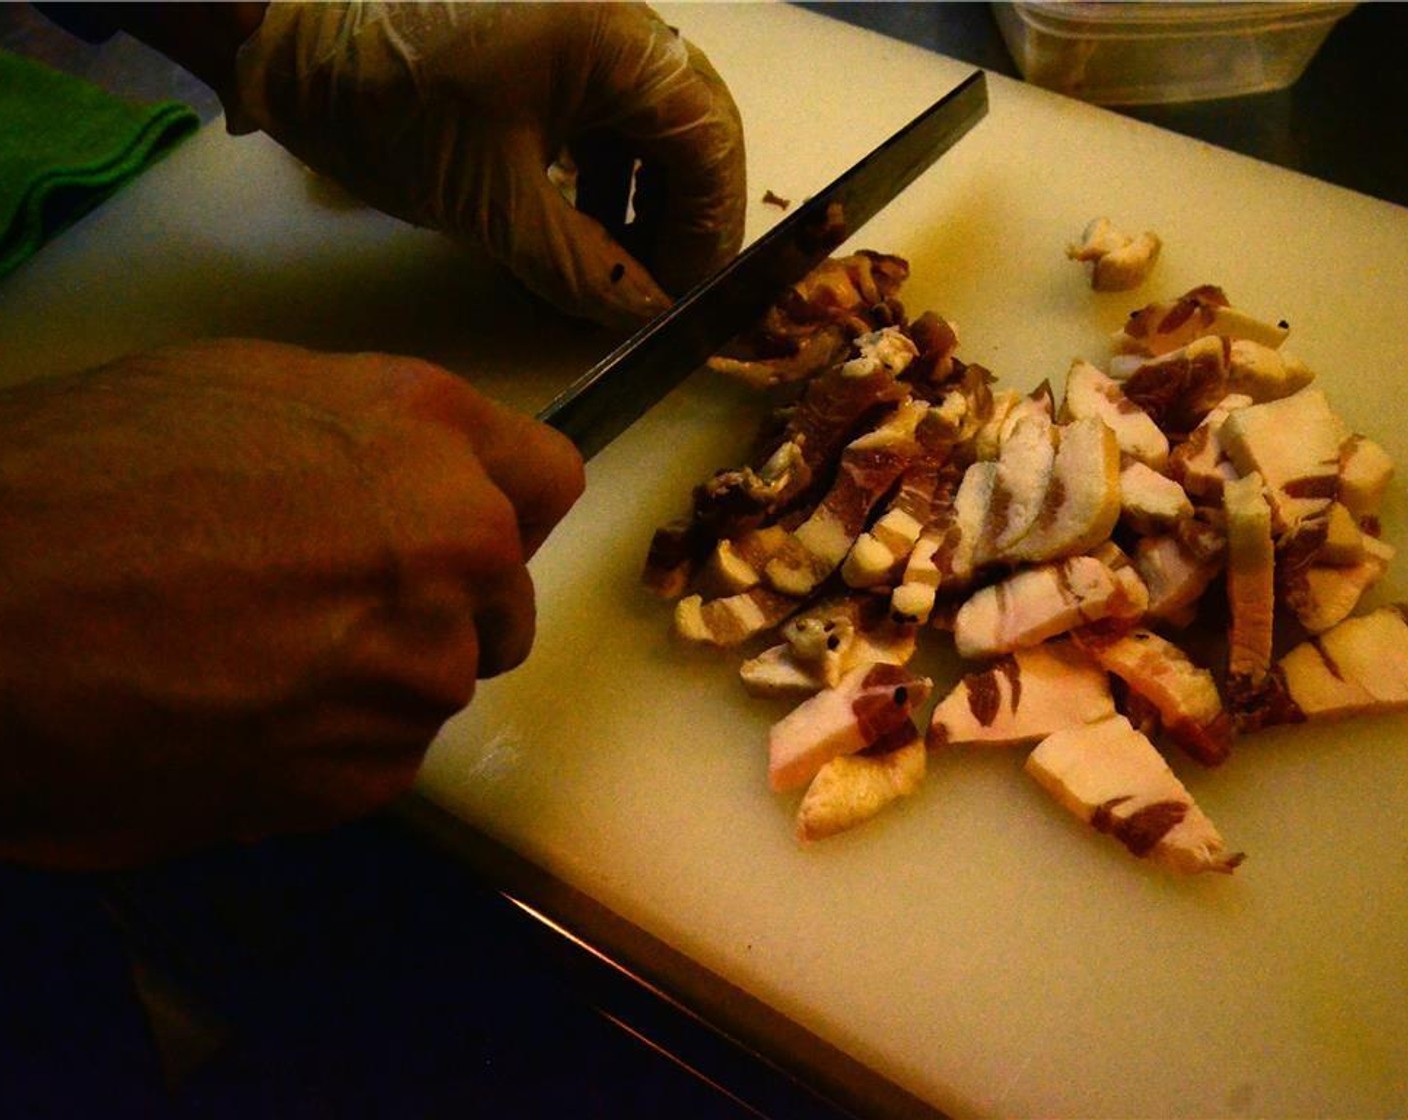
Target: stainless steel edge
pixel 618 390
pixel 840 1084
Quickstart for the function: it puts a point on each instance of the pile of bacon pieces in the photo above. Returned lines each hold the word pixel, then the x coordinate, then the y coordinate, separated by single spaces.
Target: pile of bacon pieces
pixel 1065 544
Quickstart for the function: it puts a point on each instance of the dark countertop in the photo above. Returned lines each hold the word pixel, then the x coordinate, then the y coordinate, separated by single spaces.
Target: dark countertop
pixel 1342 122
pixel 360 973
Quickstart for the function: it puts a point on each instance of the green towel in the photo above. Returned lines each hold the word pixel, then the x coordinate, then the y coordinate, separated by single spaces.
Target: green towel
pixel 65 145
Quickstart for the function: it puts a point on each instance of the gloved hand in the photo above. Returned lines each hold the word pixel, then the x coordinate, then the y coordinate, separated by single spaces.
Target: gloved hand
pixel 450 116
pixel 243 584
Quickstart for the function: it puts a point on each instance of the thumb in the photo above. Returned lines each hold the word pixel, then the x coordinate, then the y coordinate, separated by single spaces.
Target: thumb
pixel 567 256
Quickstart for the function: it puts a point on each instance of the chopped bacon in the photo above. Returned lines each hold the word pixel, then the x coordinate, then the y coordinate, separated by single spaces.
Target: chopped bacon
pixel 851 788
pixel 1110 776
pixel 899 488
pixel 734 619
pixel 826 641
pixel 1184 695
pixel 871 701
pixel 1179 388
pixel 869 466
pixel 841 299
pixel 1250 583
pixel 1021 698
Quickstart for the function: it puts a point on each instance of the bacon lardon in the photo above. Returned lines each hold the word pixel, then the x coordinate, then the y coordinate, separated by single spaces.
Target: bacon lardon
pixel 733 619
pixel 852 788
pixel 1250 584
pixel 1113 778
pixel 1182 694
pixel 870 701
pixel 1203 311
pixel 1179 388
pixel 1022 698
pixel 1294 444
pixel 824 642
pixel 869 466
pixel 814 323
pixel 1359 667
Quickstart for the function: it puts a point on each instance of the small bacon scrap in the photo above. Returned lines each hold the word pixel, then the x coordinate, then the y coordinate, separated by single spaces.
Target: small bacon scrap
pixel 841 299
pixel 1119 261
pixel 825 642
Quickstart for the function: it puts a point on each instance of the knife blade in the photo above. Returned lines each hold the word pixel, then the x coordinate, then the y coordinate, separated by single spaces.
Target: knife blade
pixel 619 389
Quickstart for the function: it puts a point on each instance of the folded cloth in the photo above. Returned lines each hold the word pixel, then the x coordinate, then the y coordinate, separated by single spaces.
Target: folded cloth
pixel 65 146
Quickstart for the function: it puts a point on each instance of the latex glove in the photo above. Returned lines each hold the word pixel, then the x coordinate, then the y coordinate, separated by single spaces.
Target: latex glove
pixel 450 116
pixel 242 585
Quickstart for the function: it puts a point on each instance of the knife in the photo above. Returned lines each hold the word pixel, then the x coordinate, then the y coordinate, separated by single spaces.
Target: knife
pixel 620 388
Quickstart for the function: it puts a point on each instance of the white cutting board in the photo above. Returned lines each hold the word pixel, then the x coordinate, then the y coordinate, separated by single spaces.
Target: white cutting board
pixel 977 945
pixel 974 945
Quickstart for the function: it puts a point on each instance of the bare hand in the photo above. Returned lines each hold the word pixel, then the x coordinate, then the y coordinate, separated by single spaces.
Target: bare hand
pixel 242 585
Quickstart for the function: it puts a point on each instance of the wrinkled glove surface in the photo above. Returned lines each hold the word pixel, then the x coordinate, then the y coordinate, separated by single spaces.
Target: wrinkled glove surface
pixel 451 115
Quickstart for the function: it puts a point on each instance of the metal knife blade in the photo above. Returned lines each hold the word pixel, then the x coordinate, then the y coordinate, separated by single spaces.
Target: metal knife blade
pixel 618 390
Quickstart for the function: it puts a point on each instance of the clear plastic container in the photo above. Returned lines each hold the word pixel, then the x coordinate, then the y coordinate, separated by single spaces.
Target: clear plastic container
pixel 1157 52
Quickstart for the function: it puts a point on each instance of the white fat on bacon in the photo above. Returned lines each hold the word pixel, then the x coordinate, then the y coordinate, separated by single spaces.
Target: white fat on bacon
pixel 1365 471
pixel 1199 464
pixel 1358 667
pixel 1322 595
pixel 1161 327
pixel 1184 694
pixel 851 788
pixel 1294 444
pixel 1025 462
pixel 736 564
pixel 945 554
pixel 1082 500
pixel 1151 502
pixel 1250 582
pixel 1177 568
pixel 1345 543
pixel 1113 778
pixel 889 349
pixel 869 466
pixel 1264 373
pixel 1092 392
pixel 870 701
pixel 822 644
pixel 988 438
pixel 1034 604
pixel 732 619
pixel 1119 261
pixel 925 494
pixel 1022 698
